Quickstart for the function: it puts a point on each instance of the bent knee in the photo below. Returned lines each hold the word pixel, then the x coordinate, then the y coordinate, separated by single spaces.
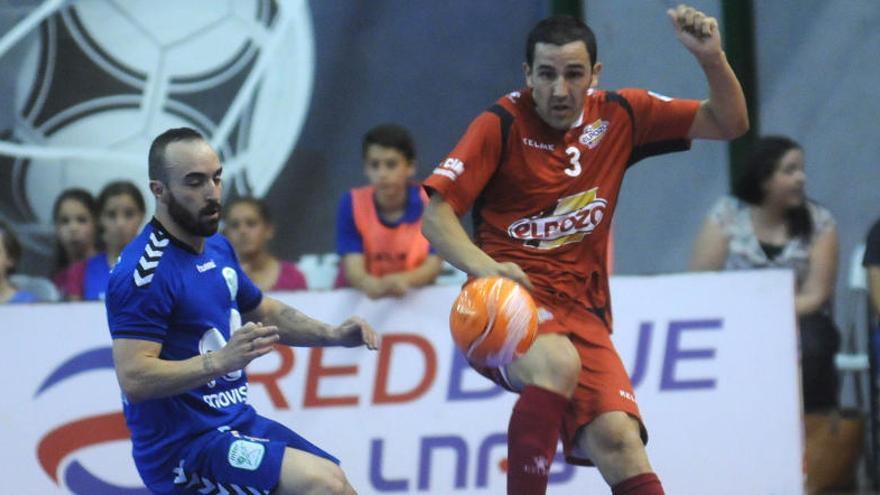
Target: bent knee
pixel 616 437
pixel 554 364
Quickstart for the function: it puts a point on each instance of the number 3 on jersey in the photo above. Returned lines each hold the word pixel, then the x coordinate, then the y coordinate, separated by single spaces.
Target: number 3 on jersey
pixel 574 155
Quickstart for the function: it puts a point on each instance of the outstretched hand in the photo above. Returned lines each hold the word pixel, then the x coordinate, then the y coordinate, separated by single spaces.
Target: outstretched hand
pixel 355 332
pixel 246 344
pixel 698 32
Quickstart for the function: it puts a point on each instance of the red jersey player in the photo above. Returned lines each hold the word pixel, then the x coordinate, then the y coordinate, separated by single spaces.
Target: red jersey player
pixel 541 170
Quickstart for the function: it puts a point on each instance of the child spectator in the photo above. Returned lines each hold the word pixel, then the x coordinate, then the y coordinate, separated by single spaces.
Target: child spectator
pixel 74 215
pixel 378 229
pixel 10 254
pixel 248 225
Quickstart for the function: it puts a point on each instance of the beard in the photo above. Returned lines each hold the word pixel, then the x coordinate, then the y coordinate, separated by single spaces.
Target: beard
pixel 195 224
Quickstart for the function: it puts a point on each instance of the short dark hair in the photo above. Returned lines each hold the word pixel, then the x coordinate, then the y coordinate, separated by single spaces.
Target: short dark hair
pixel 560 30
pixel 258 204
pixel 158 165
pixel 10 244
pixel 761 163
pixel 79 195
pixel 86 199
pixel 391 136
pixel 119 188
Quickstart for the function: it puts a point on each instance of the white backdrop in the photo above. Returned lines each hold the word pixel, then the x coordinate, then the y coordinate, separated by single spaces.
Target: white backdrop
pixel 713 358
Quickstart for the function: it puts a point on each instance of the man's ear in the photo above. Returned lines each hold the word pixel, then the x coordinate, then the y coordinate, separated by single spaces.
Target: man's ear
pixel 527 72
pixel 157 188
pixel 597 68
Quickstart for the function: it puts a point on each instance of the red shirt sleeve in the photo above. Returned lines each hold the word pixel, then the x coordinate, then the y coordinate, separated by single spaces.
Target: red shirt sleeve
pixel 461 177
pixel 659 118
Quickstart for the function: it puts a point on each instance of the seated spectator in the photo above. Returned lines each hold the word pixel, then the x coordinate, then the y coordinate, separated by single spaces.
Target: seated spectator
pixel 121 211
pixel 378 229
pixel 75 217
pixel 770 223
pixel 248 226
pixel 10 254
pixel 871 262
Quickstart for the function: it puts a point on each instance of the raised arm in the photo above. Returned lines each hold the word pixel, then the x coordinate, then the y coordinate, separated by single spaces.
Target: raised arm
pixel 723 115
pixel 444 231
pixel 295 328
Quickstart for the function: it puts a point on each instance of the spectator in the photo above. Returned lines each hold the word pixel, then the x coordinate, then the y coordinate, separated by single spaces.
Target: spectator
pixel 378 230
pixel 121 211
pixel 74 215
pixel 10 254
pixel 871 262
pixel 249 228
pixel 770 223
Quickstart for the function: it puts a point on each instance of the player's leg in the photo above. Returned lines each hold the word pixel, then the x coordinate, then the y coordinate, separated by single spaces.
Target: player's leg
pixel 303 473
pixel 603 425
pixel 546 377
pixel 613 442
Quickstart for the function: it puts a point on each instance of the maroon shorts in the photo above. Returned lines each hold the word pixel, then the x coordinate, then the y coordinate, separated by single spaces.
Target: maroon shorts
pixel 603 383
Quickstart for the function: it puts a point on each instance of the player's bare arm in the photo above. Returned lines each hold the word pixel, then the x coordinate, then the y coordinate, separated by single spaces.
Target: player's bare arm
pixel 723 115
pixel 444 231
pixel 295 328
pixel 143 375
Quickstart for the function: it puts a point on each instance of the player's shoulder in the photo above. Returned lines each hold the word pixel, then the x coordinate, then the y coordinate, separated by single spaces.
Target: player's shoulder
pixel 143 259
pixel 218 242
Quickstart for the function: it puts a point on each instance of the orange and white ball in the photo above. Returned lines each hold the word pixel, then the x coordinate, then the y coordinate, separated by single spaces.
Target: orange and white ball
pixel 493 321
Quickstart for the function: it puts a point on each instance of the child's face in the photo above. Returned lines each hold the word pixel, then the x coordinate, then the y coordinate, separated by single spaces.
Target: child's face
pixel 75 227
pixel 246 229
pixel 121 220
pixel 387 169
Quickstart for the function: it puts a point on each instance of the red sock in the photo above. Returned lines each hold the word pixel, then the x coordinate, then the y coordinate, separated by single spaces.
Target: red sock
pixel 642 484
pixel 531 440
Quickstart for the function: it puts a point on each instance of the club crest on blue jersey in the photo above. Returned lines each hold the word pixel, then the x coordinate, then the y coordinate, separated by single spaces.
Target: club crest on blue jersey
pixel 231 281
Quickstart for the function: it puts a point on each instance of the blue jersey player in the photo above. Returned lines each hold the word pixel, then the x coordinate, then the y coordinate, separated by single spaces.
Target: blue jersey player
pixel 175 306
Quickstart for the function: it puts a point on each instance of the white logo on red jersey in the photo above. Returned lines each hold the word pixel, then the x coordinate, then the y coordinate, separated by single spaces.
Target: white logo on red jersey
pixel 514 96
pixel 574 217
pixel 451 168
pixel 593 133
pixel 536 144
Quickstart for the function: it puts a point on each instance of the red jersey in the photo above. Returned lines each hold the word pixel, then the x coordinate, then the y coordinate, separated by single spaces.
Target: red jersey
pixel 544 198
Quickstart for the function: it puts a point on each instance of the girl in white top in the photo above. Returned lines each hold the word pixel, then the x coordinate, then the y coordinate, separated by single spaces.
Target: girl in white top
pixel 769 223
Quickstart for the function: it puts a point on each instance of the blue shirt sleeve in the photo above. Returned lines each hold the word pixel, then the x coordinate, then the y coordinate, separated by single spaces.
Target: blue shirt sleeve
pixel 139 312
pixel 348 239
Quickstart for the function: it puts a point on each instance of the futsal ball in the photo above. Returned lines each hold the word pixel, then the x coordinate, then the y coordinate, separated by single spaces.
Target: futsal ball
pixel 493 321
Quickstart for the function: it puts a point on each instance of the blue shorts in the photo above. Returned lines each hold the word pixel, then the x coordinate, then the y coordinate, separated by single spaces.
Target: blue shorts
pixel 246 459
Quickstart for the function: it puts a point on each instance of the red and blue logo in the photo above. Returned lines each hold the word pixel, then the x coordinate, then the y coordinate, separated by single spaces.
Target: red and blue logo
pixel 67 439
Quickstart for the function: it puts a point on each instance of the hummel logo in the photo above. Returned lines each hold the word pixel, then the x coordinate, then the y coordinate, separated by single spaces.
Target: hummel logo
pixel 206 266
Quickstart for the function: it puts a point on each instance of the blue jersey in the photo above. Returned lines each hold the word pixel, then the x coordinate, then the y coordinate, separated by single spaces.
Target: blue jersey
pixel 163 291
pixel 96 277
